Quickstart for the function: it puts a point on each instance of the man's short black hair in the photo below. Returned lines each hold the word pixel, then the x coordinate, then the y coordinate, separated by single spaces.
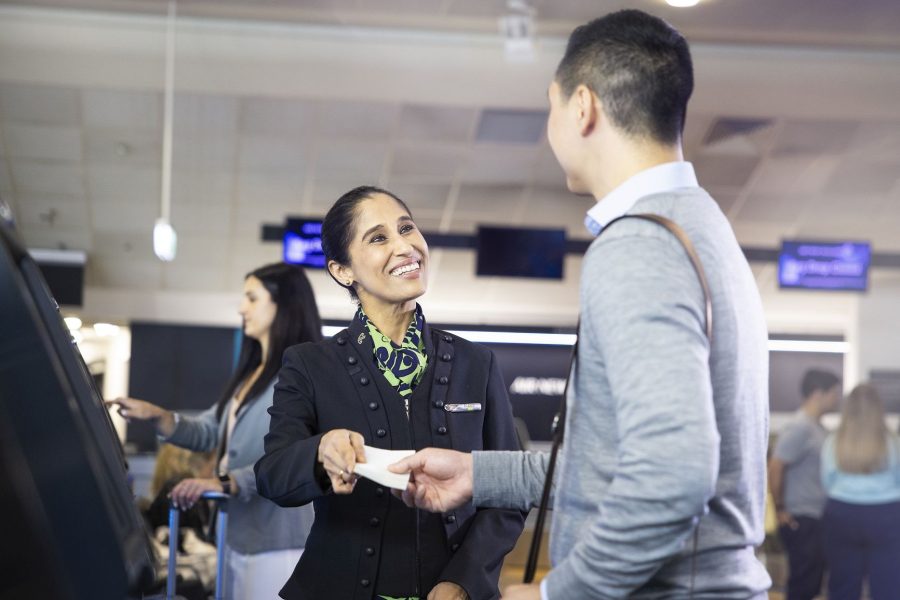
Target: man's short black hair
pixel 817 380
pixel 639 66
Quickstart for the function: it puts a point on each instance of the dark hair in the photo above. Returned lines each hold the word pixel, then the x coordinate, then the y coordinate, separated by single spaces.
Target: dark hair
pixel 817 380
pixel 639 66
pixel 340 222
pixel 296 321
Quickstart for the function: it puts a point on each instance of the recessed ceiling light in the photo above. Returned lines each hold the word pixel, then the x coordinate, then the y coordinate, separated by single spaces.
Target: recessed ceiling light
pixel 73 323
pixel 682 3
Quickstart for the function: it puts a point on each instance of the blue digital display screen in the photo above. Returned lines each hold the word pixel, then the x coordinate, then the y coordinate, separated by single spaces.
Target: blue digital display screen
pixel 824 265
pixel 303 243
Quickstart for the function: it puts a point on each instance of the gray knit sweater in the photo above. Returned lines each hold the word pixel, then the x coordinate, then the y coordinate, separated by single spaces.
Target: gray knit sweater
pixel 661 427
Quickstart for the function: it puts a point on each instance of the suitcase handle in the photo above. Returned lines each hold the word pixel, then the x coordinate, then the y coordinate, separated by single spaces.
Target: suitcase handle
pixel 221 499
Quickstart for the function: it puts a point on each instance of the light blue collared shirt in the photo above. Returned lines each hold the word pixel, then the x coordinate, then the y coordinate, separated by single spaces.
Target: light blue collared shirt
pixel 655 180
pixel 661 178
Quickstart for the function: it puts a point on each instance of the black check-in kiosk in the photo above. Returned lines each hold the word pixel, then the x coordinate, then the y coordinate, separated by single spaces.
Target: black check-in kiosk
pixel 70 528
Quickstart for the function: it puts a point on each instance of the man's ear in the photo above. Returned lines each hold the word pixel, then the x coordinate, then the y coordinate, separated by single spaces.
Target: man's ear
pixel 588 108
pixel 341 273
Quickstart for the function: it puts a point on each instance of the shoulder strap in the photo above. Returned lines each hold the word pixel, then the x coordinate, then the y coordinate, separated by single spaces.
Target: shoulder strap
pixel 560 418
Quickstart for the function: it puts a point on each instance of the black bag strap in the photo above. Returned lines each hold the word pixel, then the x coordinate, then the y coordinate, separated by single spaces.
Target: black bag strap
pixel 560 419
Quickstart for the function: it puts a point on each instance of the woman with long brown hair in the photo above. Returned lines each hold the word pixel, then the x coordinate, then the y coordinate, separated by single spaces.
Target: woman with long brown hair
pixel 861 475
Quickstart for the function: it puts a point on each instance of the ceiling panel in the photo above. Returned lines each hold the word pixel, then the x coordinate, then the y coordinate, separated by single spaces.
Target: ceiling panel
pixel 285 188
pixel 277 117
pixel 42 142
pixel 136 185
pixel 436 123
pixel 490 202
pixel 136 245
pixel 815 136
pixel 500 163
pixel 363 161
pixel 203 150
pixel 39 104
pixel 116 215
pixel 121 109
pixel 426 163
pixel 123 147
pixel 205 112
pixel 204 248
pixel 422 198
pixel 776 208
pixel 51 178
pixel 179 276
pixel 372 121
pixel 204 219
pixel 858 177
pixel 805 174
pixel 553 207
pixel 54 211
pixel 265 154
pixel 201 186
pixel 880 139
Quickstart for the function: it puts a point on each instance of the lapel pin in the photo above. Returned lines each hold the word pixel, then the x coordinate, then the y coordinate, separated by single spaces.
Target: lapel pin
pixel 360 339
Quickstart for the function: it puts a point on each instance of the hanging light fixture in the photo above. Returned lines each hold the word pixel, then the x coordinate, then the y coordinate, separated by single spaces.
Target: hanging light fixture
pixel 165 240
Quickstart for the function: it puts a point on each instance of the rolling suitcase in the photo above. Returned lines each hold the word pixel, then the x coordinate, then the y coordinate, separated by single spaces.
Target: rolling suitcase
pixel 221 501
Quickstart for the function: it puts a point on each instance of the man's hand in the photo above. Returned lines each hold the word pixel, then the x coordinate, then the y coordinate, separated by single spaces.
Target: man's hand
pixel 531 591
pixel 786 519
pixel 447 590
pixel 339 451
pixel 441 480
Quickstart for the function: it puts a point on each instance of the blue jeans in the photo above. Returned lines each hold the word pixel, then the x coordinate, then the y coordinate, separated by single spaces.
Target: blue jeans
pixel 862 541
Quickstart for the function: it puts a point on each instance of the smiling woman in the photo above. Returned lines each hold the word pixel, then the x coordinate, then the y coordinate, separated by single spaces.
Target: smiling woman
pixel 392 382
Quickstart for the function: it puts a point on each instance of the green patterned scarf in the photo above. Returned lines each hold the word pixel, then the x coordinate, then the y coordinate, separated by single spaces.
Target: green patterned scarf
pixel 403 365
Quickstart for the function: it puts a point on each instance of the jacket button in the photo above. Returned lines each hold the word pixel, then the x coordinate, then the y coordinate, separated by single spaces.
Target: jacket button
pixel 379 491
pixel 454 547
pixel 443 380
pixel 370 551
pixel 448 339
pixel 442 430
pixel 439 404
pixel 351 360
pixel 450 518
pixel 364 582
pixel 374 522
pixel 373 405
pixel 364 381
pixel 381 433
pixel 341 341
pixel 446 357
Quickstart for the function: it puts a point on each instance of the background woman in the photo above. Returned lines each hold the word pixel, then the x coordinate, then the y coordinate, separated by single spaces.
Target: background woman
pixel 264 541
pixel 390 381
pixel 861 474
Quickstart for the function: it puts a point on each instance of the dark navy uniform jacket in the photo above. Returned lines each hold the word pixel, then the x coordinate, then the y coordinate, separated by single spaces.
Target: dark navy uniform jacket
pixel 368 542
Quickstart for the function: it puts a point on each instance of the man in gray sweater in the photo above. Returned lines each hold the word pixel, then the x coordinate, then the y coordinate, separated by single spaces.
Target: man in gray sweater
pixel 660 487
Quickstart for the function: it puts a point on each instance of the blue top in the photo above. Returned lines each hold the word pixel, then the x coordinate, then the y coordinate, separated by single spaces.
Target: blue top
pixel 880 487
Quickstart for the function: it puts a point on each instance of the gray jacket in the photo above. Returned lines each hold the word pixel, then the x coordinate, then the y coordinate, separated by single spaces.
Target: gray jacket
pixel 661 427
pixel 255 524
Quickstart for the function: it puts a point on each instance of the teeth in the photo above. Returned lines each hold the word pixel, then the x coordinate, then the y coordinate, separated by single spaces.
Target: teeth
pixel 405 269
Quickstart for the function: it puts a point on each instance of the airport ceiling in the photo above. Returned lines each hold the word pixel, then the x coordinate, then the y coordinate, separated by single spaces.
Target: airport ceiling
pixel 281 106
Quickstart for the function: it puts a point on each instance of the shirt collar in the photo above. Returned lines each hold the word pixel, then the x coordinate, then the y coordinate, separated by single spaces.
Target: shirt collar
pixel 661 178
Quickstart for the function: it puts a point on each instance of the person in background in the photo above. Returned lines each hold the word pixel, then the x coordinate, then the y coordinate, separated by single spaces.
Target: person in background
pixel 264 541
pixel 796 485
pixel 861 523
pixel 174 464
pixel 393 382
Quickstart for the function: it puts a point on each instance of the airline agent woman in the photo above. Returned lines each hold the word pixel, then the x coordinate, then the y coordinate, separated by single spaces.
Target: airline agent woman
pixel 389 381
